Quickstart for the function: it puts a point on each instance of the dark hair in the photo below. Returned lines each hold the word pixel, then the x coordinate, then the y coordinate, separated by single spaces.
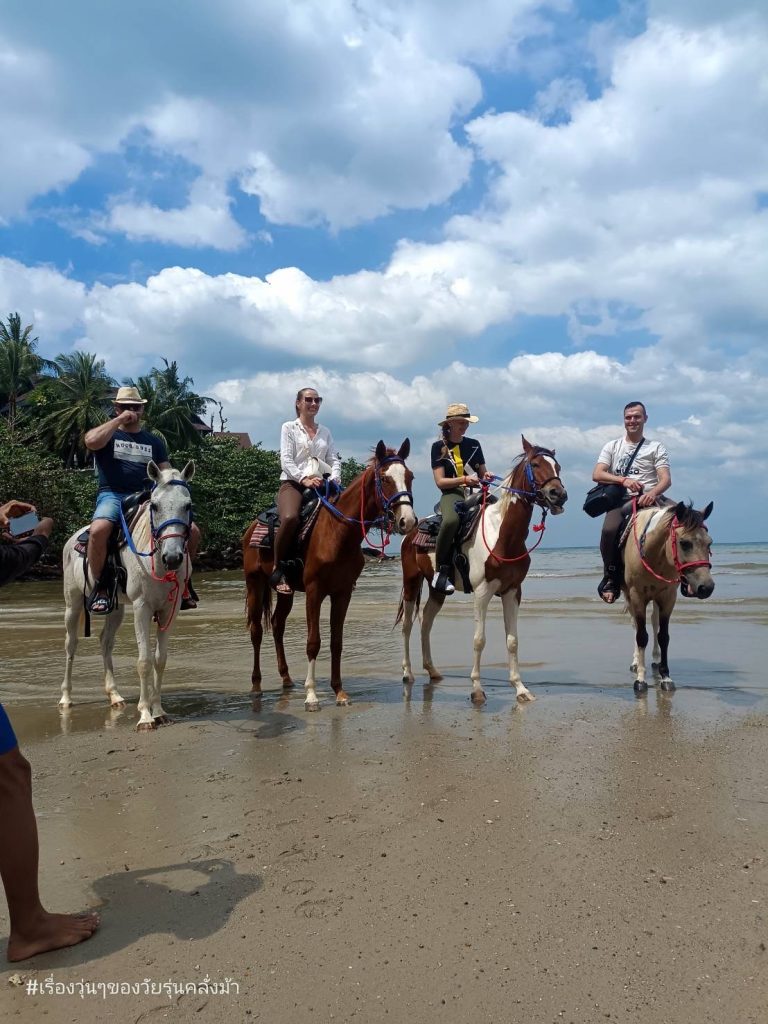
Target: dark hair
pixel 445 437
pixel 630 404
pixel 300 395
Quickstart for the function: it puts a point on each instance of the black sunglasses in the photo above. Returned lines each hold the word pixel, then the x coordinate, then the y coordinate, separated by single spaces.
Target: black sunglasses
pixel 310 398
pixel 131 408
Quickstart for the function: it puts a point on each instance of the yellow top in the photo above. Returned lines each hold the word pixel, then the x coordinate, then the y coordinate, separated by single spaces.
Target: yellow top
pixel 458 461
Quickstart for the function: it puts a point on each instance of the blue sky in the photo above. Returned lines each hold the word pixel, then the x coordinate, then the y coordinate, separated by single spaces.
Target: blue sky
pixel 542 209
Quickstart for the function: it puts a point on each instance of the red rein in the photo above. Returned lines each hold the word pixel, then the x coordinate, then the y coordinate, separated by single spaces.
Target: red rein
pixel 518 558
pixel 680 567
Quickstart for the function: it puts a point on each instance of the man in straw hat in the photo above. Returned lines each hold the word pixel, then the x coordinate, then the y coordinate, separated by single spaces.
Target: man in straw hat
pixel 123 449
pixel 453 456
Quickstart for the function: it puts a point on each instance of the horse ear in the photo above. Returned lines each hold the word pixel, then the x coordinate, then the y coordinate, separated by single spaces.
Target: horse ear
pixel 381 451
pixel 405 449
pixel 189 471
pixel 708 510
pixel 680 508
pixel 153 471
pixel 526 446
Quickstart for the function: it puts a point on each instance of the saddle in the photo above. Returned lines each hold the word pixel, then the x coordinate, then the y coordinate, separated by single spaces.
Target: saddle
pixel 267 522
pixel 113 577
pixel 428 528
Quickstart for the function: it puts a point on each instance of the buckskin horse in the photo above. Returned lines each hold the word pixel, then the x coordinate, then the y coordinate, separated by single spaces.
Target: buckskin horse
pixel 156 549
pixel 663 548
pixel 333 560
pixel 498 563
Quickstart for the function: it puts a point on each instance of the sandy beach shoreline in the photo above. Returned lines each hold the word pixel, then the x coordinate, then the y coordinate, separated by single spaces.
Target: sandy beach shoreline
pixel 588 857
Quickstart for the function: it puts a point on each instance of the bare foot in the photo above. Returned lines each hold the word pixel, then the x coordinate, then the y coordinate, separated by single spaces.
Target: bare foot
pixel 51 931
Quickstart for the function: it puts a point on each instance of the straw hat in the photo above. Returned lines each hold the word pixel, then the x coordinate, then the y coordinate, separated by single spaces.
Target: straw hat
pixel 457 411
pixel 128 396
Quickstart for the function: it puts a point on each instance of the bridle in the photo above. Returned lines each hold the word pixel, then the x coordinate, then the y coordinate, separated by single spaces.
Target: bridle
pixel 680 567
pixel 534 495
pixel 157 532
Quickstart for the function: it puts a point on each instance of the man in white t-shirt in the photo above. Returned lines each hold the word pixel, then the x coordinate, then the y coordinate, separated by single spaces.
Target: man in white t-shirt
pixel 647 478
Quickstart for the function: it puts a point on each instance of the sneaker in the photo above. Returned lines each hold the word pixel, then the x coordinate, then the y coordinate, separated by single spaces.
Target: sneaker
pixel 441 581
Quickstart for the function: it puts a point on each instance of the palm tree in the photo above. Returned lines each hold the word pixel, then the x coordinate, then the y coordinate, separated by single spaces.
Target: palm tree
pixel 171 405
pixel 71 402
pixel 19 364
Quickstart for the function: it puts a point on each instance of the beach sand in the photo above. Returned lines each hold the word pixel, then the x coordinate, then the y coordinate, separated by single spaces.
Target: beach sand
pixel 589 857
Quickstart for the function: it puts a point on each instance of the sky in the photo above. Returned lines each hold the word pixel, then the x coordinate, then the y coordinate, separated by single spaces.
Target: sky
pixel 541 209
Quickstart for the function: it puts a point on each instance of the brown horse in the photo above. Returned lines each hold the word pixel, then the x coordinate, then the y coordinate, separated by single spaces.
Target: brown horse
pixel 653 568
pixel 333 560
pixel 498 564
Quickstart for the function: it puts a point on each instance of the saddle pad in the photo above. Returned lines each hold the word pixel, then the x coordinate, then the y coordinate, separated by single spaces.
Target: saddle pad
pixel 260 536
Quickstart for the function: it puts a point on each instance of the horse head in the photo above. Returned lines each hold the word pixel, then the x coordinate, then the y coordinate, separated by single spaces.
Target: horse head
pixel 689 549
pixel 542 478
pixel 393 485
pixel 170 512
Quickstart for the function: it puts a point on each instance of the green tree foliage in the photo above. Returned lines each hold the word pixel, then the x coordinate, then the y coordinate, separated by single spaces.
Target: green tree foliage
pixel 231 485
pixel 350 468
pixel 19 364
pixel 171 405
pixel 30 473
pixel 70 402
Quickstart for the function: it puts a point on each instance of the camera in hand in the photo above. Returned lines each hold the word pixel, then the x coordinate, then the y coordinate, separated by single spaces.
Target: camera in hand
pixel 23 524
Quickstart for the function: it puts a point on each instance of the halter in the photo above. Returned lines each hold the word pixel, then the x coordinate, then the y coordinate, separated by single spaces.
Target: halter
pixel 535 496
pixel 171 576
pixel 680 567
pixel 387 505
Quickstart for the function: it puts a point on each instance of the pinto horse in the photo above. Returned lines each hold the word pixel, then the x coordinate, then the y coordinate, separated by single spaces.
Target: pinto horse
pixel 498 564
pixel 653 568
pixel 156 563
pixel 333 560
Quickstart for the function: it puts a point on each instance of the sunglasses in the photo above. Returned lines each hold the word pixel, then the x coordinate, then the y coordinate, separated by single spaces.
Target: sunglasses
pixel 312 401
pixel 131 408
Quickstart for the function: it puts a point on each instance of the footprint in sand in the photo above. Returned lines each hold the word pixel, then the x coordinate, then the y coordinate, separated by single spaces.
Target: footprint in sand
pixel 319 908
pixel 299 887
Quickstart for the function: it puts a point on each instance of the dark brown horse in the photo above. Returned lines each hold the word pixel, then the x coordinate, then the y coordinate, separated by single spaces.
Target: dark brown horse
pixel 498 564
pixel 333 560
pixel 664 548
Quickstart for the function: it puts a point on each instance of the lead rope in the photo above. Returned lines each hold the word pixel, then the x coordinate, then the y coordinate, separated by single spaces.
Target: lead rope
pixel 540 528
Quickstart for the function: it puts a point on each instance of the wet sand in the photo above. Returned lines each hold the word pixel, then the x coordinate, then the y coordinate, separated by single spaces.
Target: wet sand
pixel 589 857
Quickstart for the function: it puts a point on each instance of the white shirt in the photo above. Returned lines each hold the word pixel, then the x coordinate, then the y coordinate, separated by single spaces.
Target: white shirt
pixel 645 468
pixel 300 454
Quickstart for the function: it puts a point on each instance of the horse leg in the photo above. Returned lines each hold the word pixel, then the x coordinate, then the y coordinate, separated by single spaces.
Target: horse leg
pixel 638 610
pixel 656 654
pixel 339 605
pixel 160 660
pixel 483 595
pixel 510 602
pixel 71 622
pixel 428 616
pixel 313 602
pixel 282 611
pixel 666 605
pixel 107 644
pixel 255 584
pixel 142 623
pixel 409 611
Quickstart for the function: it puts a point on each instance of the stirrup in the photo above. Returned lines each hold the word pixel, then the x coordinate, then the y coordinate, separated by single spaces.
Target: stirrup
pixel 98 602
pixel 609 584
pixel 441 581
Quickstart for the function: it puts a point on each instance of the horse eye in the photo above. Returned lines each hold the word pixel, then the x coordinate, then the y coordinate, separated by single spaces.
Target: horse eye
pixel 153 506
pixel 686 545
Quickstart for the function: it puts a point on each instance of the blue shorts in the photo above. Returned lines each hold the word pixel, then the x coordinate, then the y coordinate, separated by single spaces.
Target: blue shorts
pixel 7 736
pixel 108 506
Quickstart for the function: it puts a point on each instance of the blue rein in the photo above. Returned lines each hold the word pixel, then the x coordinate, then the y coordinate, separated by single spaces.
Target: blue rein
pixel 399 497
pixel 155 531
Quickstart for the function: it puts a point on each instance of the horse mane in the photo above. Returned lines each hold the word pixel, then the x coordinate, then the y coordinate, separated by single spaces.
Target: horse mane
pixel 141 532
pixel 391 453
pixel 690 519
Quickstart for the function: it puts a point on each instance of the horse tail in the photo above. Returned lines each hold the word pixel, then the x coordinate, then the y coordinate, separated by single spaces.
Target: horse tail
pixel 401 606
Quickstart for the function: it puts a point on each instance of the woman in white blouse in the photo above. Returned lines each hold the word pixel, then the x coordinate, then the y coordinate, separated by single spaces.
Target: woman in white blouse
pixel 307 452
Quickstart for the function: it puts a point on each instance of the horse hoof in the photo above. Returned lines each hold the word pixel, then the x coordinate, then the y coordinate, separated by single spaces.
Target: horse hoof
pixel 146 727
pixel 640 687
pixel 117 703
pixel 435 677
pixel 526 698
pixel 478 698
pixel 409 680
pixel 163 720
pixel 343 702
pixel 288 683
pixel 256 688
pixel 315 706
pixel 667 685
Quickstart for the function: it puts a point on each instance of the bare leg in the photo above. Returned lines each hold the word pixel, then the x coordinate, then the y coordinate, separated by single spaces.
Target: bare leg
pixel 431 608
pixel 107 643
pixel 33 929
pixel 98 538
pixel 511 604
pixel 339 606
pixel 483 595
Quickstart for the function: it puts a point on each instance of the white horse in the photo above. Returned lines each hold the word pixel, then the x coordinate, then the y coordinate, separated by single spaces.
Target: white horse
pixel 154 586
pixel 498 563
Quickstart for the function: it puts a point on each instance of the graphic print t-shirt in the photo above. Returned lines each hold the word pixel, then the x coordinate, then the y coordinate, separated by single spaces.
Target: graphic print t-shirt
pixel 469 454
pixel 122 464
pixel 645 468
